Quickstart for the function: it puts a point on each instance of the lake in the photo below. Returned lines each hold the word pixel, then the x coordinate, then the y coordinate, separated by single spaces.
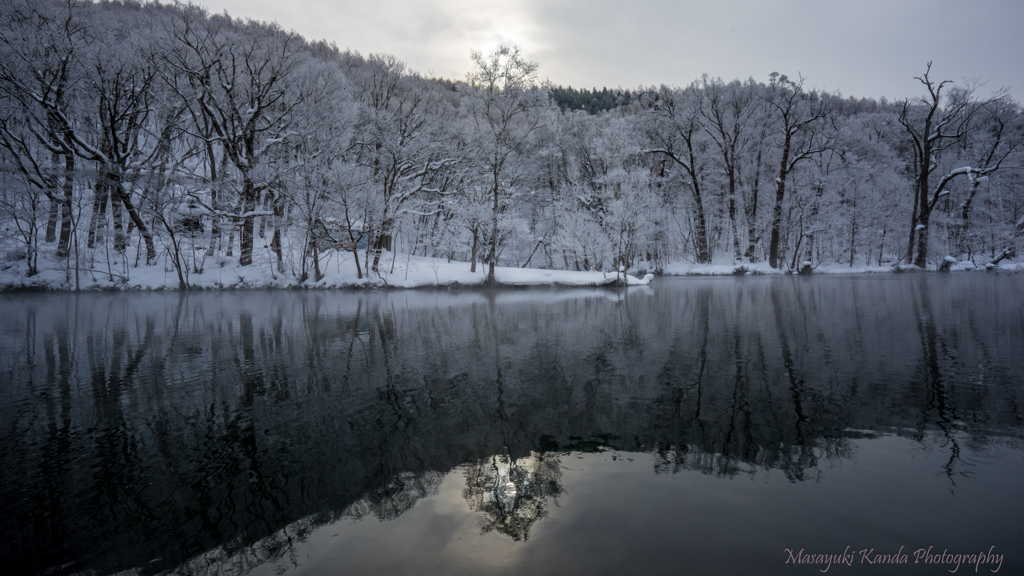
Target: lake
pixel 755 425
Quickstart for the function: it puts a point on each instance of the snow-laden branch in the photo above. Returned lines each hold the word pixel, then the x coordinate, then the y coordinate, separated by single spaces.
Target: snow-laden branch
pixel 224 214
pixel 971 172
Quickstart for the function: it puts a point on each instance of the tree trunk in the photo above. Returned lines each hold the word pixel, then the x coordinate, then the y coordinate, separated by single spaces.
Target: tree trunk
pixel 315 250
pixel 732 215
pixel 214 227
pixel 776 219
pixel 248 205
pixel 63 245
pixel 215 219
pixel 355 254
pixel 275 241
pixel 472 254
pixel 51 221
pixel 921 261
pixel 231 238
pixel 913 212
pixel 853 233
pixel 382 242
pixel 881 245
pixel 493 243
pixel 98 221
pixel 275 246
pixel 116 213
pixel 700 242
pixel 965 217
pixel 780 196
pixel 751 211
pixel 924 214
pixel 147 236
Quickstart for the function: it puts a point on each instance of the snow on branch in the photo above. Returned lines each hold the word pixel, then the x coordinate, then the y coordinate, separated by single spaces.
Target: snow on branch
pixel 224 214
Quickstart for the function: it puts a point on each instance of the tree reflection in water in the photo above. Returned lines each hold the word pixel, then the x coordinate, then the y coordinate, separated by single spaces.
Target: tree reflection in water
pixel 396 496
pixel 176 432
pixel 513 493
pixel 798 463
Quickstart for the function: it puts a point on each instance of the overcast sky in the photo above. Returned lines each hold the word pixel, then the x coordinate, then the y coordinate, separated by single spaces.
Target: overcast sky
pixel 859 47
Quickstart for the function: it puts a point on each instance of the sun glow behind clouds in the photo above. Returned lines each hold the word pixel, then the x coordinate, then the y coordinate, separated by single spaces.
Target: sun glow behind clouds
pixel 433 37
pixel 867 48
pixel 486 26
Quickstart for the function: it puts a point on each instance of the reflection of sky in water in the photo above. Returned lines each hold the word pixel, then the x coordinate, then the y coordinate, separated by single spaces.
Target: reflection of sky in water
pixel 615 515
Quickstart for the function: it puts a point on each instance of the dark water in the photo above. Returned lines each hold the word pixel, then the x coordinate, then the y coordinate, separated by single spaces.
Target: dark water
pixel 697 426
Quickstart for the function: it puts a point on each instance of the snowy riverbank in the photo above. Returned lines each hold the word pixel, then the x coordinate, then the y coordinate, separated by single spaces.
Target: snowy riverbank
pixel 762 268
pixel 403 271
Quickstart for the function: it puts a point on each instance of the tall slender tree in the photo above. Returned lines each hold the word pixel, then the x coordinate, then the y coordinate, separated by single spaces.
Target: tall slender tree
pixel 506 102
pixel 801 135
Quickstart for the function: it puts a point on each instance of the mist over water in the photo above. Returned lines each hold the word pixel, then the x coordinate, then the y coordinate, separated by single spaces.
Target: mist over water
pixel 698 424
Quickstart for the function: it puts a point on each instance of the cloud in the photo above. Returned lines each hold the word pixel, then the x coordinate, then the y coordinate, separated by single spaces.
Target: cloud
pixel 865 48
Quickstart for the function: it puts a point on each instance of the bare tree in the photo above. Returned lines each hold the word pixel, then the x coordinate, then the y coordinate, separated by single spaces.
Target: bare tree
pixel 801 130
pixel 325 182
pixel 756 162
pixel 934 125
pixel 39 45
pixel 997 134
pixel 505 101
pixel 677 132
pixel 727 110
pixel 405 139
pixel 242 82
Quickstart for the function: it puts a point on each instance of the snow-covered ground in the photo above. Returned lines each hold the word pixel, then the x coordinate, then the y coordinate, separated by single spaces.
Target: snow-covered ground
pixel 401 271
pixel 690 269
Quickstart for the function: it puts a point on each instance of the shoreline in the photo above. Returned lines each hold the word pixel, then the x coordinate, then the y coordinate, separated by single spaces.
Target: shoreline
pixel 561 283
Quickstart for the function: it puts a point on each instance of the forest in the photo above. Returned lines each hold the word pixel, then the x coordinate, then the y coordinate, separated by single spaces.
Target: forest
pixel 147 134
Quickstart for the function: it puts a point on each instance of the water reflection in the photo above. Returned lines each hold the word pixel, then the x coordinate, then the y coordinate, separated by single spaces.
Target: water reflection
pixel 512 493
pixel 155 431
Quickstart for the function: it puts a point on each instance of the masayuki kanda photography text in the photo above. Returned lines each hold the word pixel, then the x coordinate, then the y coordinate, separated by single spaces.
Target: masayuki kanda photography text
pixel 952 561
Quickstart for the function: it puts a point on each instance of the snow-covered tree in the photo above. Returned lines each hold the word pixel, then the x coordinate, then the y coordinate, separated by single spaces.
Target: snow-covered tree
pixel 727 112
pixel 801 134
pixel 405 139
pixel 242 78
pixel 938 126
pixel 506 105
pixel 674 129
pixel 39 73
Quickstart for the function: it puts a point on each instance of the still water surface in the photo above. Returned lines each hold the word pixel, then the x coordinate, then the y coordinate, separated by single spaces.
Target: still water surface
pixel 696 426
